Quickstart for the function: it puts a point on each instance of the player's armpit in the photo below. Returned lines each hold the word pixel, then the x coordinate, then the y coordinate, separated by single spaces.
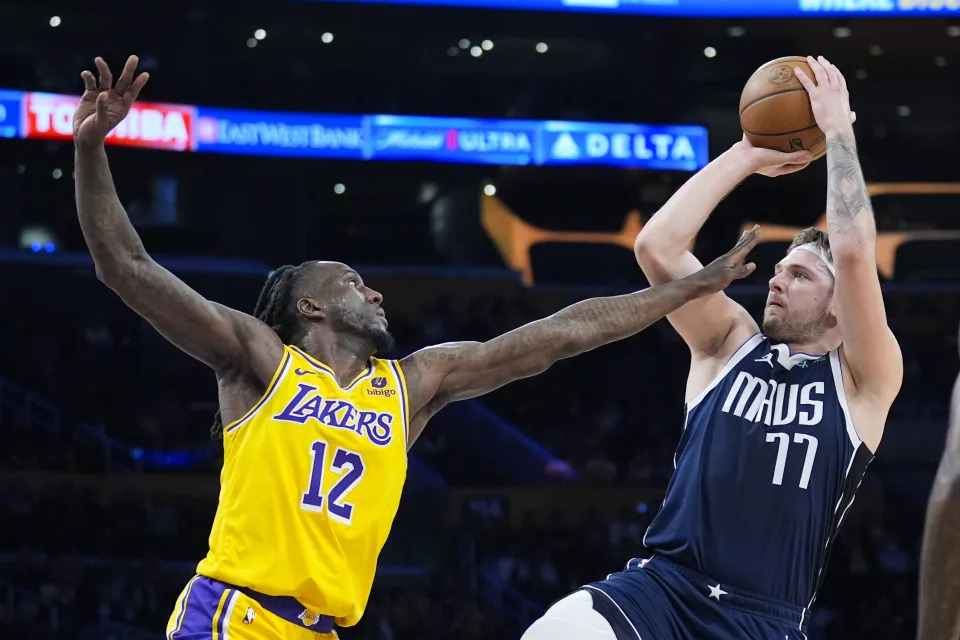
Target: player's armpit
pixel 229 341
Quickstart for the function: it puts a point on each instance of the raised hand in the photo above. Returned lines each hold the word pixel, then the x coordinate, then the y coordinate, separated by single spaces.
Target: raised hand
pixel 829 97
pixel 717 275
pixel 103 105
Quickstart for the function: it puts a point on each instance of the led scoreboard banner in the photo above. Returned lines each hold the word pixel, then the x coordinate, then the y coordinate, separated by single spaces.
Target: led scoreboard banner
pixel 707 8
pixel 188 128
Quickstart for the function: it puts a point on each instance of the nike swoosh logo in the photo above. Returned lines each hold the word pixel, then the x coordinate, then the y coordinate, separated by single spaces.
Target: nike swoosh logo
pixel 304 372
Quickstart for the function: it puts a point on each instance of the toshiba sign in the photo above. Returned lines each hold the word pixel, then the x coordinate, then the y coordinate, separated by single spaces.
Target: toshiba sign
pixel 156 126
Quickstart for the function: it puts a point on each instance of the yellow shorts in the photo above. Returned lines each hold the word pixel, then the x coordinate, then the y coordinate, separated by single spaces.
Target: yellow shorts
pixel 211 610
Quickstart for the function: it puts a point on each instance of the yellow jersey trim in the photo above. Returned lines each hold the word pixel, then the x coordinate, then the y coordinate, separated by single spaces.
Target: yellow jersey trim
pixel 319 365
pixel 271 388
pixel 404 400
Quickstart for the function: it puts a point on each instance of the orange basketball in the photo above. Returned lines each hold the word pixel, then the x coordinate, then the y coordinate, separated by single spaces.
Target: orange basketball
pixel 775 109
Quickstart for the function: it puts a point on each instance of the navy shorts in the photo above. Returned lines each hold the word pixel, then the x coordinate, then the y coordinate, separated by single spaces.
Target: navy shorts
pixel 659 600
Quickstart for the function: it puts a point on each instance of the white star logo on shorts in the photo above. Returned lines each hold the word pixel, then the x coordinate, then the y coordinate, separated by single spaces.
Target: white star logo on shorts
pixel 716 592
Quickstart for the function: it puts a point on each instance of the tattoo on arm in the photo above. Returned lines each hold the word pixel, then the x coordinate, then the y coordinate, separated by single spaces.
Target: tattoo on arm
pixel 456 371
pixel 847 198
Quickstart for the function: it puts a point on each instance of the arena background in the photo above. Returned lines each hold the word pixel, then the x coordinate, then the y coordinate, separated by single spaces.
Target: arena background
pixel 108 476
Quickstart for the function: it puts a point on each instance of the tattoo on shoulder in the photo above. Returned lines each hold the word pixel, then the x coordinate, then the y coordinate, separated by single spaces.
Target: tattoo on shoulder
pixel 421 362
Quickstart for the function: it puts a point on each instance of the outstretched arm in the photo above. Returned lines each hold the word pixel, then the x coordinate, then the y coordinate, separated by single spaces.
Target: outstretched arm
pixel 710 322
pixel 870 349
pixel 229 341
pixel 940 557
pixel 446 373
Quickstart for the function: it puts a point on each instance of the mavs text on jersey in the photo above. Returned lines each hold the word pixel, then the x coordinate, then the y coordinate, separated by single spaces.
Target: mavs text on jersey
pixel 766 469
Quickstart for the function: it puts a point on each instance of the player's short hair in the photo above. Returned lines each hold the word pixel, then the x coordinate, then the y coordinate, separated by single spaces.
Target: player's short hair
pixel 821 239
pixel 814 236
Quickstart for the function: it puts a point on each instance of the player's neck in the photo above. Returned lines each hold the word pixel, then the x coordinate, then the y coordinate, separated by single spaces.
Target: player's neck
pixel 346 354
pixel 821 346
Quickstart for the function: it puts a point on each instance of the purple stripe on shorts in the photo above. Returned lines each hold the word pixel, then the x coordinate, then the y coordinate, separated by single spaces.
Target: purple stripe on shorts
pixel 200 607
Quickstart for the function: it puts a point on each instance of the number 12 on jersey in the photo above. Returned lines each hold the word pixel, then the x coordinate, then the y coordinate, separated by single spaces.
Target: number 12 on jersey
pixel 783 441
pixel 345 463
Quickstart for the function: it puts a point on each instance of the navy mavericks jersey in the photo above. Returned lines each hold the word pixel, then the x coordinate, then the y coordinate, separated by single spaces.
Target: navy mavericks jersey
pixel 766 469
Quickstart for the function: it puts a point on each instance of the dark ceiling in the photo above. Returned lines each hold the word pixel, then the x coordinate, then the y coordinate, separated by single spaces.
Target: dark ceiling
pixel 398 59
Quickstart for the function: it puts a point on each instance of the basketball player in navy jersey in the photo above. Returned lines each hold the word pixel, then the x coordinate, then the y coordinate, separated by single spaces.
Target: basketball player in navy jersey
pixel 940 558
pixel 781 421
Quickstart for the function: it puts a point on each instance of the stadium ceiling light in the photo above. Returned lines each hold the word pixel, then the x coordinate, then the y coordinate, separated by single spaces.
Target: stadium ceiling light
pixel 542 47
pixel 55 21
pixel 710 52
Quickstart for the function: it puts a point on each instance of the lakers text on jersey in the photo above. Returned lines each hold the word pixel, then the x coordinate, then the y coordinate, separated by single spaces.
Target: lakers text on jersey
pixel 311 482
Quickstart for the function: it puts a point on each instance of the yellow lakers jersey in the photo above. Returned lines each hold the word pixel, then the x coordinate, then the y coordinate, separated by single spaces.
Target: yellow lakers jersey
pixel 310 485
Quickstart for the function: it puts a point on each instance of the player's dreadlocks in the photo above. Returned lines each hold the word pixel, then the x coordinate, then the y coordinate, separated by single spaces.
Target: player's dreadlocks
pixel 273 309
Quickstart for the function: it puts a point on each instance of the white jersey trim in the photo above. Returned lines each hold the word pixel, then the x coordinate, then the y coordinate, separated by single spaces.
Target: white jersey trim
pixel 842 397
pixel 225 634
pixel 734 360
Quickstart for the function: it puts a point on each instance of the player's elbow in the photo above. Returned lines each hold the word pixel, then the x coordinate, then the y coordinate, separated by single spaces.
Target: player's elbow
pixel 648 248
pixel 120 274
pixel 536 363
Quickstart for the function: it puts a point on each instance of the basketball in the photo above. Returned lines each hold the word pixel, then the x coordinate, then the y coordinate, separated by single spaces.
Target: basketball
pixel 775 109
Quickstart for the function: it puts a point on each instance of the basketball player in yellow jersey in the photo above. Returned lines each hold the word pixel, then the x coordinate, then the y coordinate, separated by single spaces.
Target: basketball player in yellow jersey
pixel 315 428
